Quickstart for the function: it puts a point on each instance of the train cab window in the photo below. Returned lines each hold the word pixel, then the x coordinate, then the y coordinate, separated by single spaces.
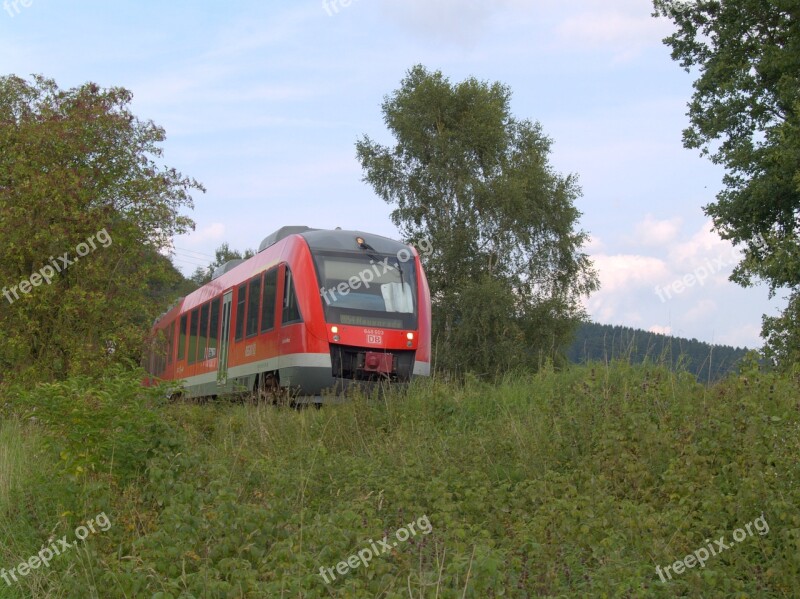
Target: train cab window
pixel 291 311
pixel 183 335
pixel 253 306
pixel 241 298
pixel 213 329
pixel 202 338
pixel 195 321
pixel 268 301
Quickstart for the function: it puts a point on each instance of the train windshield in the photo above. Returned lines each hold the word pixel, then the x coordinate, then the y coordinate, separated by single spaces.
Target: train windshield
pixel 366 289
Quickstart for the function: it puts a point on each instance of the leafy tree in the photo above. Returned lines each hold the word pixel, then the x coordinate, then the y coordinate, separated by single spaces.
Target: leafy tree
pixel 506 272
pixel 223 254
pixel 745 115
pixel 77 165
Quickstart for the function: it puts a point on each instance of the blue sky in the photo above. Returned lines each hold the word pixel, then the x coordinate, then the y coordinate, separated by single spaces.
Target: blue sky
pixel 262 102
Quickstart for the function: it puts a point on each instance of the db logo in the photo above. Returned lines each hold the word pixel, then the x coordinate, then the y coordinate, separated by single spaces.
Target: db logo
pixel 377 339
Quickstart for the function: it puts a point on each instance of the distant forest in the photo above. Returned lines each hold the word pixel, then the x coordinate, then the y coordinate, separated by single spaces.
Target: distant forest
pixel 602 342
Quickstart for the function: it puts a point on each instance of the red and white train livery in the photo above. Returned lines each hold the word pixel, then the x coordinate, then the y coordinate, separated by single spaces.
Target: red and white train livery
pixel 313 310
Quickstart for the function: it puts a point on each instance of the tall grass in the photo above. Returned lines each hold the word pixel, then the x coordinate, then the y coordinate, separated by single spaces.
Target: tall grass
pixel 571 483
pixel 15 460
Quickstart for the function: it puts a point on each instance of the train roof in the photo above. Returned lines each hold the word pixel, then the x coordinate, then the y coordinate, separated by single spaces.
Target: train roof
pixel 325 239
pixel 235 272
pixel 332 239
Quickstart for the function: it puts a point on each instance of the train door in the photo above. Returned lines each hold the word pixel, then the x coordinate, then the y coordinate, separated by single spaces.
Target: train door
pixel 224 340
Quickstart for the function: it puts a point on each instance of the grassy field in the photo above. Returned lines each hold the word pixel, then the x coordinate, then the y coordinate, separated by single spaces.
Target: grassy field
pixel 561 484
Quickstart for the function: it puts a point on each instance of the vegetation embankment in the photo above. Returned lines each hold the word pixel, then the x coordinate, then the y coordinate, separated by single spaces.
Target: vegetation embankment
pixel 561 483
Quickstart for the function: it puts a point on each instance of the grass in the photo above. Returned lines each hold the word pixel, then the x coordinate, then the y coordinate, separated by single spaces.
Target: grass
pixel 559 484
pixel 13 463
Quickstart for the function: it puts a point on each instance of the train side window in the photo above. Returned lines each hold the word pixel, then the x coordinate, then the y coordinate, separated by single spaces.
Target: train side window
pixel 291 311
pixel 202 338
pixel 170 339
pixel 241 302
pixel 183 334
pixel 151 358
pixel 161 348
pixel 195 321
pixel 253 298
pixel 213 329
pixel 268 301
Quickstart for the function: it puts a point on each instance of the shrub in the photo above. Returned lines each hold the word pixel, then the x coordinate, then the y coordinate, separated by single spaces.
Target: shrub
pixel 108 425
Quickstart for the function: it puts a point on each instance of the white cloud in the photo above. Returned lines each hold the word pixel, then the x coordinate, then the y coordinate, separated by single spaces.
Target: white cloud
pixel 704 244
pixel 651 231
pixel 624 271
pixel 626 286
pixel 704 255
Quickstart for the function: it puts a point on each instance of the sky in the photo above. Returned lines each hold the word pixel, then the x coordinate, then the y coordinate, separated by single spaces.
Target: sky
pixel 263 102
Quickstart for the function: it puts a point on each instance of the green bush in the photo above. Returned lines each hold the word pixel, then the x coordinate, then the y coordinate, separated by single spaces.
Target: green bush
pixel 109 425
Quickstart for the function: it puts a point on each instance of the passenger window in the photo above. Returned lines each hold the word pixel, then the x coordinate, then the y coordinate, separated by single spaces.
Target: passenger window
pixel 213 329
pixel 268 301
pixel 241 299
pixel 170 344
pixel 194 324
pixel 183 335
pixel 253 306
pixel 202 339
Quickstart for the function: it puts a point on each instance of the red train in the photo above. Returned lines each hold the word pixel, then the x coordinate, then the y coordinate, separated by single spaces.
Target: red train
pixel 313 310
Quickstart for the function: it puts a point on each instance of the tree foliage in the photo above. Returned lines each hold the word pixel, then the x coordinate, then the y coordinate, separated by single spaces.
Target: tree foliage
pixel 745 115
pixel 222 255
pixel 506 273
pixel 73 163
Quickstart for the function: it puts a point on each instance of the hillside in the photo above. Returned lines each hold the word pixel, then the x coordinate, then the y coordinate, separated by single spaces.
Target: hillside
pixel 601 342
pixel 596 481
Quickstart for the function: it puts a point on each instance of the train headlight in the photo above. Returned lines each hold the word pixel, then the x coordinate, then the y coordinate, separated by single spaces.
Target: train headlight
pixel 334 329
pixel 410 336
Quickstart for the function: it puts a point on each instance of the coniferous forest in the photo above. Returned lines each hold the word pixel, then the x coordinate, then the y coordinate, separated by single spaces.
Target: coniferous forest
pixel 603 343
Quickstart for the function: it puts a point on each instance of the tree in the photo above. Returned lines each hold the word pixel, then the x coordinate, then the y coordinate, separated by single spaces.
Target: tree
pixel 506 273
pixel 223 254
pixel 85 211
pixel 745 115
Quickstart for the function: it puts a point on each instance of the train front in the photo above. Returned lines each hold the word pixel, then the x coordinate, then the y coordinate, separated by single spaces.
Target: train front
pixel 376 306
